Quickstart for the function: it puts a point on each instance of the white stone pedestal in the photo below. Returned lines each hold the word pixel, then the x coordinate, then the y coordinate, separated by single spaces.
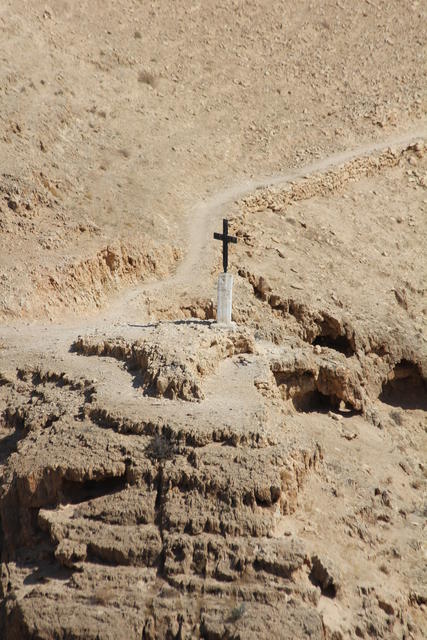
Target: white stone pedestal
pixel 225 295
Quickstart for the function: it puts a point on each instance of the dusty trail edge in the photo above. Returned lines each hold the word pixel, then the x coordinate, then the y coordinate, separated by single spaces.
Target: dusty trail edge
pixel 207 215
pixel 201 221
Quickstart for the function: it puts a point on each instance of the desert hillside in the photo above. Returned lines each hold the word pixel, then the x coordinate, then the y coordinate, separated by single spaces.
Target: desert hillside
pixel 163 476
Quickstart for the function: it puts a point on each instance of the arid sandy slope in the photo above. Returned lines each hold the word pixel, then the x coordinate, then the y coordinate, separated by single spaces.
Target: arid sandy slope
pixel 161 476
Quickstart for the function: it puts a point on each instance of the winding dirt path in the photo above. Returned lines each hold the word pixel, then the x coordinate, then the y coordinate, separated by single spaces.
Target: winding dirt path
pixel 206 216
pixel 201 222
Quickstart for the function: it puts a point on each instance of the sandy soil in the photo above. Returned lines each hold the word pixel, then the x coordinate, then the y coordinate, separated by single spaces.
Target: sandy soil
pixel 162 477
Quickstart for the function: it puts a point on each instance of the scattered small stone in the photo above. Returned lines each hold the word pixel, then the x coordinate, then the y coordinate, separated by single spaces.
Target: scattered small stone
pixel 349 435
pixel 237 612
pixel 405 467
pixel 146 77
pixel 386 606
pixel 396 416
pixel 262 286
pixel 324 575
pixel 386 498
pixel 401 297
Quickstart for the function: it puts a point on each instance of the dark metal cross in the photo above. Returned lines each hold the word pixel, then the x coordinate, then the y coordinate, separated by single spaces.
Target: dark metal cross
pixel 225 240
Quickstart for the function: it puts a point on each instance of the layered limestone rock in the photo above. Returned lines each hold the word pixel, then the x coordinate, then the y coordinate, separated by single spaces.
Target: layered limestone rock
pixel 124 512
pixel 103 510
pixel 173 369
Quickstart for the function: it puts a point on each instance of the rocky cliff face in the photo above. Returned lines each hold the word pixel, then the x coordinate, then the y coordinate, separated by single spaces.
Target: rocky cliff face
pixel 205 501
pixel 92 495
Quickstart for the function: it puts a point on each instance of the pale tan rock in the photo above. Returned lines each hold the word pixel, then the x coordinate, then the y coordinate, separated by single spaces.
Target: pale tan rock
pixel 184 482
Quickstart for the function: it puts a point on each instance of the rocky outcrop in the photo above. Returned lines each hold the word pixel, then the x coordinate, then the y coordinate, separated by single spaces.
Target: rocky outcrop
pixel 98 496
pixel 172 369
pixel 91 280
pixel 331 181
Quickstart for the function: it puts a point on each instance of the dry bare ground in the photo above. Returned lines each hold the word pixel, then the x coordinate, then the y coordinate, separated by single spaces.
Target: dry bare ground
pixel 161 476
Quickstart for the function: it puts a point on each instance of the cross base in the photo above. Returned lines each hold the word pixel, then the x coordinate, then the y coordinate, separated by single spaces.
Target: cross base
pixel 225 295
